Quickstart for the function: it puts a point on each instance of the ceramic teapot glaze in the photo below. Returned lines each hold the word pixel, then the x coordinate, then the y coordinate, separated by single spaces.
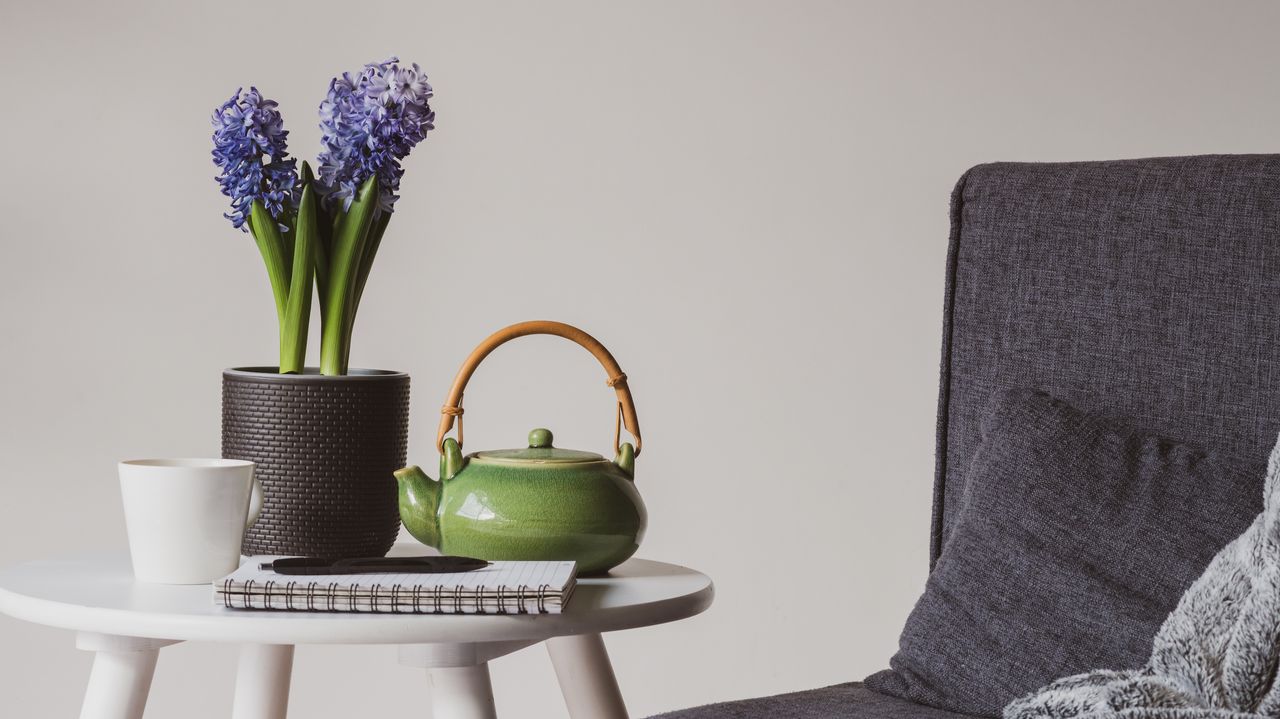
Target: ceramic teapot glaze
pixel 535 503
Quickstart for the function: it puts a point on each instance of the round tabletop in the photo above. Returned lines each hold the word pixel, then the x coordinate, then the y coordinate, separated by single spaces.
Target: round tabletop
pixel 97 593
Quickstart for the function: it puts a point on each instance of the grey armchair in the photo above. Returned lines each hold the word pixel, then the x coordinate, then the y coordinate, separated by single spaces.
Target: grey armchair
pixel 1148 289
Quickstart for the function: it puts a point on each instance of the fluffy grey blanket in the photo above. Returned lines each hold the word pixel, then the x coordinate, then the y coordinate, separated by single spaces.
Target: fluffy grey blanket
pixel 1216 654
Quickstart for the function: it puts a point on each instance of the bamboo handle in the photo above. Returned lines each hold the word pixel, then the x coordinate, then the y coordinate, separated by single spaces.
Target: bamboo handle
pixel 617 379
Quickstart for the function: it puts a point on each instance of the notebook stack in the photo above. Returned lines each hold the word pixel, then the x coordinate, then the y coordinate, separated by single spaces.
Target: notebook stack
pixel 500 588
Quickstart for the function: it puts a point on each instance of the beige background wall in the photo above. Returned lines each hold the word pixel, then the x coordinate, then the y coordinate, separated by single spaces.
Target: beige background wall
pixel 747 202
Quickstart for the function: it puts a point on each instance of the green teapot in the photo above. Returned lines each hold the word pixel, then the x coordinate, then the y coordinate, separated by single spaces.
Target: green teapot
pixel 535 503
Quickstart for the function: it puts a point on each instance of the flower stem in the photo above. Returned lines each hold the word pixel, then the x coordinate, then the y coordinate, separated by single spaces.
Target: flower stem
pixel 344 264
pixel 297 316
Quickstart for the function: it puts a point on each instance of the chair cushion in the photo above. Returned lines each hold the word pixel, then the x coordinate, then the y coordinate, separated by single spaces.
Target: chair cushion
pixel 1075 538
pixel 1142 288
pixel 842 701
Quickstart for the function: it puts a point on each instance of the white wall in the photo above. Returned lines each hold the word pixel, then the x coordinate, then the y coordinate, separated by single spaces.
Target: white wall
pixel 747 202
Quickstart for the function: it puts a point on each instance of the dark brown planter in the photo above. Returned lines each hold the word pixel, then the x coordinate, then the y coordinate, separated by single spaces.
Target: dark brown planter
pixel 325 449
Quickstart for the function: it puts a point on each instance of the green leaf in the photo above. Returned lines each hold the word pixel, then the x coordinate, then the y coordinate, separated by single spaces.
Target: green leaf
pixel 297 316
pixel 374 240
pixel 323 237
pixel 370 252
pixel 348 247
pixel 266 233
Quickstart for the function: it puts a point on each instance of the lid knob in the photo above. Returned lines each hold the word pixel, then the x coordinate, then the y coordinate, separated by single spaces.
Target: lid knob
pixel 540 438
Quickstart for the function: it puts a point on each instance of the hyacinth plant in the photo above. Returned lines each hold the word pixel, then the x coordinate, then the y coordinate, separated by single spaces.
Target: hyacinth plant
pixel 322 231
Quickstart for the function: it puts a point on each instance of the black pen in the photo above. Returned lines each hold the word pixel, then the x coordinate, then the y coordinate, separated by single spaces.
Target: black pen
pixel 373 565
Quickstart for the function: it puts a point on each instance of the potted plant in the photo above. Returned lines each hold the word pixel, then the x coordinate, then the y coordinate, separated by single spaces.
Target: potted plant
pixel 327 439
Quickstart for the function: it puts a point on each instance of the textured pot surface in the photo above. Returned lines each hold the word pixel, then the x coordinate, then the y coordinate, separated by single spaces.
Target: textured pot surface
pixel 325 450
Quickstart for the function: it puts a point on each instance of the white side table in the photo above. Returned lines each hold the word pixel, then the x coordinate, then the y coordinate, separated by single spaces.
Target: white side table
pixel 126 623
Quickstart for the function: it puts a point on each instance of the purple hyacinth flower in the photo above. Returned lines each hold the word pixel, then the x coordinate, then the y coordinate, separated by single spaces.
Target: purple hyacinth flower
pixel 250 148
pixel 369 122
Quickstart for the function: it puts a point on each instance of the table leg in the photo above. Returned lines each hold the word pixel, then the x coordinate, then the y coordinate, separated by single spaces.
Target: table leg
pixel 262 681
pixel 459 675
pixel 120 680
pixel 462 692
pixel 586 677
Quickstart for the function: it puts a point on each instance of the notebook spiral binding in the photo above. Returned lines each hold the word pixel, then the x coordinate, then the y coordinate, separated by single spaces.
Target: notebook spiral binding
pixel 521 599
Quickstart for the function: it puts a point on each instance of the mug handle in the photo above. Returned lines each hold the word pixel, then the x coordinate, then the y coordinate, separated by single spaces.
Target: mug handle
pixel 626 415
pixel 255 500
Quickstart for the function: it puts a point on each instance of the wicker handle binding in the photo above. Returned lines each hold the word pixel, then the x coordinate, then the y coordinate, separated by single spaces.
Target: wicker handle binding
pixel 452 409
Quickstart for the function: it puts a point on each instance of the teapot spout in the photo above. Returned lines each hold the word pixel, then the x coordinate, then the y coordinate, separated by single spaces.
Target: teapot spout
pixel 419 505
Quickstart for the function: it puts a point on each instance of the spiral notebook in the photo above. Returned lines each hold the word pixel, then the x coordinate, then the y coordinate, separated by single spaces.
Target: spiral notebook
pixel 500 588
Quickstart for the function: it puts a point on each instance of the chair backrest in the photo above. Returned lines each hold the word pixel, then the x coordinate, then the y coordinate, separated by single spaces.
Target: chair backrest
pixel 1148 289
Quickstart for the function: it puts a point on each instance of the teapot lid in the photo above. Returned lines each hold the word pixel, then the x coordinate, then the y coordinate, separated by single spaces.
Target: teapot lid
pixel 541 451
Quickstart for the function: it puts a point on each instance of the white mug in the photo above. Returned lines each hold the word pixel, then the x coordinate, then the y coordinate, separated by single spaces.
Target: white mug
pixel 186 517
